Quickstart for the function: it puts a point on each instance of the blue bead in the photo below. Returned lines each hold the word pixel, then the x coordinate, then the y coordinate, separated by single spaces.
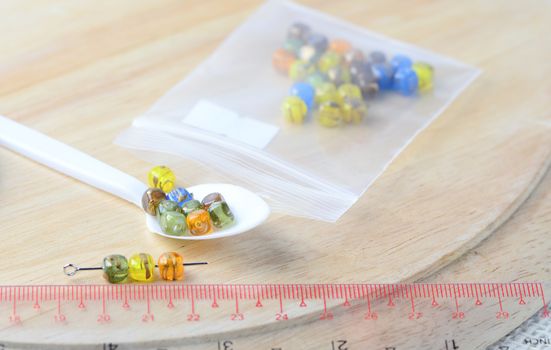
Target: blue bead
pixel 179 195
pixel 383 73
pixel 401 61
pixel 318 41
pixel 306 93
pixel 406 81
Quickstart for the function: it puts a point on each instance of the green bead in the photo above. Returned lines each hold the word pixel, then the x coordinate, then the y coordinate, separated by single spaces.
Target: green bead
pixel 300 69
pixel 115 268
pixel 329 60
pixel 173 223
pixel 294 109
pixel 190 206
pixel 221 214
pixel 167 205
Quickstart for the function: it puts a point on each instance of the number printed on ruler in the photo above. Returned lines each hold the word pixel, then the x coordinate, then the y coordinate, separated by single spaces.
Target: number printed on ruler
pixel 208 308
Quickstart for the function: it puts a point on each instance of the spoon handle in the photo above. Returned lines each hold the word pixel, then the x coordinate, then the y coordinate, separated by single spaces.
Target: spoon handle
pixel 69 161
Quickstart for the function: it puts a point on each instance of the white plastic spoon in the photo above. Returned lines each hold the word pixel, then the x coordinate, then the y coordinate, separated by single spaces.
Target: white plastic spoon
pixel 249 209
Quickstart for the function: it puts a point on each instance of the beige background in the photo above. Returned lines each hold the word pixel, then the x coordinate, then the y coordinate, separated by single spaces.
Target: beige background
pixel 81 71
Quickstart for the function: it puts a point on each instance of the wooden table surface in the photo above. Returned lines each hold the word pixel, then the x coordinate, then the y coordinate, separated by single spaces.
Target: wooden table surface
pixel 81 71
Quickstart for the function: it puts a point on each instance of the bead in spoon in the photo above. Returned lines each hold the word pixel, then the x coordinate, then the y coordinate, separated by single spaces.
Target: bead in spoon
pixel 248 208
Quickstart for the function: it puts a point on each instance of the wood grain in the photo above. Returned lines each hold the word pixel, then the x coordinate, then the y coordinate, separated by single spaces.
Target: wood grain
pixel 82 71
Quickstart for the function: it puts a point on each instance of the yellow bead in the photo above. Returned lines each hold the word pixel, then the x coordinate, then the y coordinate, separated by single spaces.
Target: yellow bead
pixel 171 266
pixel 326 92
pixel 161 177
pixel 199 222
pixel 294 109
pixel 354 110
pixel 330 114
pixel 329 60
pixel 350 91
pixel 140 267
pixel 425 75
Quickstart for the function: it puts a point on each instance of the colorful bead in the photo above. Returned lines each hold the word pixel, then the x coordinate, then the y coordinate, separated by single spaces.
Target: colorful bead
pixel 180 195
pixel 384 74
pixel 173 223
pixel 151 199
pixel 329 60
pixel 354 111
pixel 358 68
pixel 326 92
pixel 339 75
pixel 167 205
pixel 298 30
pixel 140 267
pixel 368 86
pixel 282 60
pixel 377 57
pixel 329 114
pixel 161 177
pixel 199 222
pixel 425 75
pixel 190 206
pixel 340 46
pixel 306 93
pixel 318 41
pixel 300 69
pixel 316 79
pixel 309 54
pixel 293 45
pixel 221 214
pixel 349 91
pixel 171 266
pixel 354 56
pixel 294 109
pixel 115 268
pixel 405 81
pixel 212 198
pixel 401 61
pixel 365 79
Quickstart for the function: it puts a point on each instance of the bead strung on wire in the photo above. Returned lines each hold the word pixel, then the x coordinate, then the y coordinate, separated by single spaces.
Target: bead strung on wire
pixel 139 267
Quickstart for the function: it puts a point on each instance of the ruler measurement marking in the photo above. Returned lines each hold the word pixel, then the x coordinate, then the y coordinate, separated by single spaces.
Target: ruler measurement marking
pixel 60 294
pixel 368 301
pixel 545 306
pixel 412 302
pixel 456 302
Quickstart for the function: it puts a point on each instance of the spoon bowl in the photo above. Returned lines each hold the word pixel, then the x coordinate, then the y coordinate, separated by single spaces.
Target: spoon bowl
pixel 248 208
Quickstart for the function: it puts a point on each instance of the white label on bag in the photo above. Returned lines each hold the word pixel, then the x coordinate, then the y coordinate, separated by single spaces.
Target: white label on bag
pixel 211 117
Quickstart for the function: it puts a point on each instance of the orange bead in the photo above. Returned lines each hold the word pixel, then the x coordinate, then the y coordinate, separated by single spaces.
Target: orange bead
pixel 340 46
pixel 171 266
pixel 282 60
pixel 199 223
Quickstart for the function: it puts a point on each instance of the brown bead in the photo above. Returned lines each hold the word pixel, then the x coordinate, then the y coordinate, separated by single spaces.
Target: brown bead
pixel 354 56
pixel 151 199
pixel 282 60
pixel 210 199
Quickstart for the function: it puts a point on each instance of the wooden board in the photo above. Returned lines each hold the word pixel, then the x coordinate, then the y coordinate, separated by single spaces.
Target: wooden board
pixel 81 72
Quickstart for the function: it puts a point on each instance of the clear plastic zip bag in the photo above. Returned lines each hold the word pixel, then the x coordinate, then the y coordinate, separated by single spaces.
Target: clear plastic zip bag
pixel 227 116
